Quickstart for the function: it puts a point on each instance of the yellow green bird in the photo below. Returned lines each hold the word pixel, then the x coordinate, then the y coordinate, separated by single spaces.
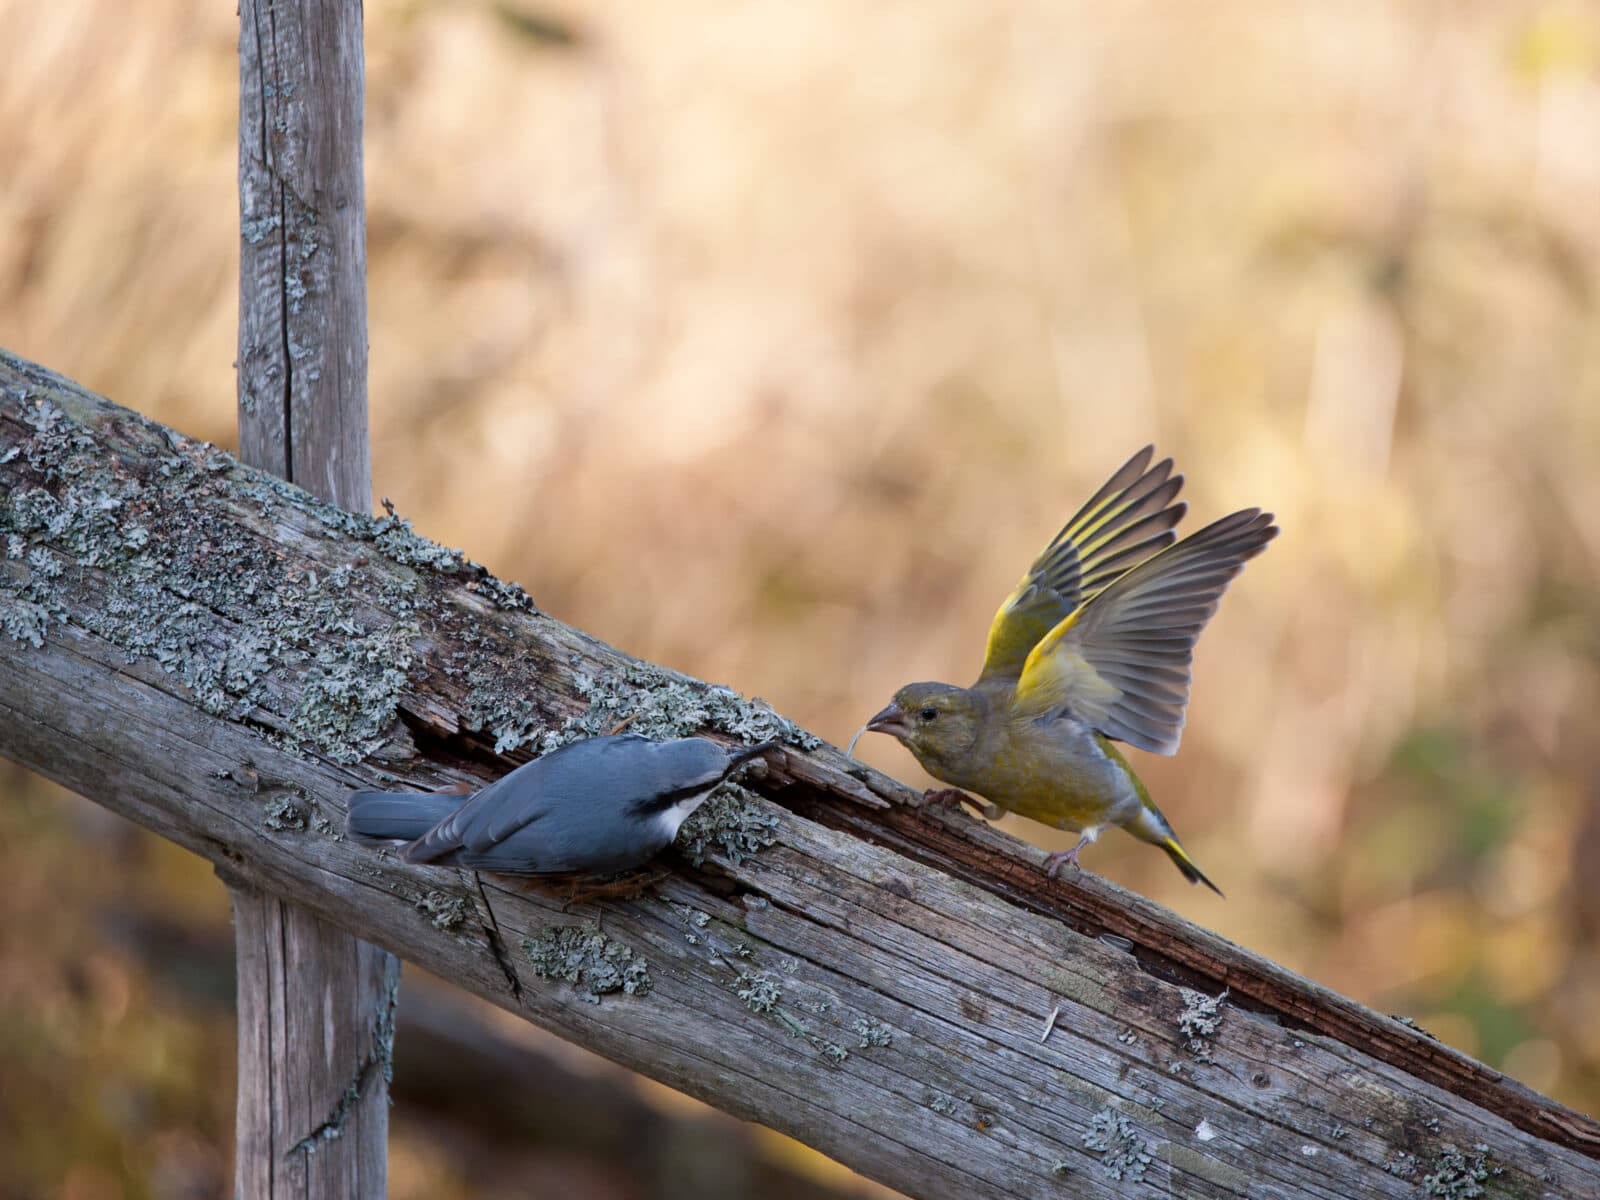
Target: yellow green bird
pixel 1092 648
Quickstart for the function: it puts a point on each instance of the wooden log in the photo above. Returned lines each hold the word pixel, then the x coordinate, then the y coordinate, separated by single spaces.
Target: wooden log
pixel 503 1107
pixel 316 1005
pixel 219 656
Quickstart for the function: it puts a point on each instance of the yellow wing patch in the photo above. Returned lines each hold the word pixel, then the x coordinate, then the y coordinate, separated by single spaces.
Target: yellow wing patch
pixel 1121 662
pixel 1055 676
pixel 1126 521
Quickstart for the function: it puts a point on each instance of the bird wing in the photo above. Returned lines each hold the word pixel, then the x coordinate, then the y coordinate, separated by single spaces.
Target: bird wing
pixel 1125 522
pixel 588 794
pixel 1121 662
pixel 528 794
pixel 488 818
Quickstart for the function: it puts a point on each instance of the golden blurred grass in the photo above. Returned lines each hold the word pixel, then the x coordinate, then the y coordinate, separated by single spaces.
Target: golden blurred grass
pixel 771 340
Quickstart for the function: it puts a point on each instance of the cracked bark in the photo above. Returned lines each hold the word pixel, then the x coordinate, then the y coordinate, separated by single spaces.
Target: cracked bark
pixel 175 628
pixel 316 1004
pixel 496 941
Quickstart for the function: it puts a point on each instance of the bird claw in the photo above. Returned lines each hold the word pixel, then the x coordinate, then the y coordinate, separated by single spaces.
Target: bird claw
pixel 1060 859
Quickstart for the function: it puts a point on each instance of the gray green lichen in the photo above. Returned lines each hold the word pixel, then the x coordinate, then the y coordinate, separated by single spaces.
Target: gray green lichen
pixel 759 991
pixel 502 709
pixel 1124 1154
pixel 871 1032
pixel 351 691
pixel 652 702
pixel 662 704
pixel 1457 1175
pixel 730 823
pixel 762 994
pixel 1201 1017
pixel 1402 1165
pixel 284 813
pixel 180 582
pixel 588 959
pixel 445 911
pixel 394 536
pixel 316 660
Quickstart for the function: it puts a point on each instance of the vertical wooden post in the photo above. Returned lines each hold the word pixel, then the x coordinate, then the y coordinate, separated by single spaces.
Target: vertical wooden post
pixel 316 1006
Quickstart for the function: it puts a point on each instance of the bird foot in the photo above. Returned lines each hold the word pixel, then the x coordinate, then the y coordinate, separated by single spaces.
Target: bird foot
pixel 1062 858
pixel 954 798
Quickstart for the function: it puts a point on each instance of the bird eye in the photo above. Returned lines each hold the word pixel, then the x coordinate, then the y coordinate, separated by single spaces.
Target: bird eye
pixel 928 713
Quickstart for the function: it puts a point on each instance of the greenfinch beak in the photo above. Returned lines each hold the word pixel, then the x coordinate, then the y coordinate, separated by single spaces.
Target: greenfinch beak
pixel 892 720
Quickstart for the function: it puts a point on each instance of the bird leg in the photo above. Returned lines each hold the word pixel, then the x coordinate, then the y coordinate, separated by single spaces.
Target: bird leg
pixel 955 798
pixel 1063 857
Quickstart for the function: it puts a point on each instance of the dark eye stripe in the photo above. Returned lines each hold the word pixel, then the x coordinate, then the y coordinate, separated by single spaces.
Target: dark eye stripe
pixel 665 800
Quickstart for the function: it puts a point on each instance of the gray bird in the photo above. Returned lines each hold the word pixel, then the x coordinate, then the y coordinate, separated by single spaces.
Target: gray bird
pixel 598 806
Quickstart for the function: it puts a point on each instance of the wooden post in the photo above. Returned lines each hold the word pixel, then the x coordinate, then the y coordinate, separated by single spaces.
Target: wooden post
pixel 316 1006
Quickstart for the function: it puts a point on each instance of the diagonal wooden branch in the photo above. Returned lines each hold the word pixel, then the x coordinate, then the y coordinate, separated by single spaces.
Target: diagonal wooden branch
pixel 219 656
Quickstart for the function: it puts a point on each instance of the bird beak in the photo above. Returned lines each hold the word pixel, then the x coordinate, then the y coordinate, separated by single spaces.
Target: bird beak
pixel 891 720
pixel 738 758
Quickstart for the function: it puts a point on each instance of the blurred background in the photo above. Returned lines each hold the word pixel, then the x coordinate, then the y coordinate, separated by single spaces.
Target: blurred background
pixel 770 341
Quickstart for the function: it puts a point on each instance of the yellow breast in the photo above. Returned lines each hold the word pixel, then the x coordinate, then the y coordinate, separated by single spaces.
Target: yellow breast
pixel 1054 775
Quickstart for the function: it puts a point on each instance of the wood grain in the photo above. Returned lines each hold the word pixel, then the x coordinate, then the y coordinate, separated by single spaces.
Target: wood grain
pixel 876 982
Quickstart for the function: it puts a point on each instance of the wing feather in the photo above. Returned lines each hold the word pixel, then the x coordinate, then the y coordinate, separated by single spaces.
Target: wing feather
pixel 1122 662
pixel 1126 521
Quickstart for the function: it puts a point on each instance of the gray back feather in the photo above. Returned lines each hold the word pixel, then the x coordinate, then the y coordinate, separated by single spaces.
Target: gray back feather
pixel 585 807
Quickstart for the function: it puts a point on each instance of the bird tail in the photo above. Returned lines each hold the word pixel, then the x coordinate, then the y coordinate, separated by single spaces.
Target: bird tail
pixel 1180 858
pixel 377 817
pixel 1151 826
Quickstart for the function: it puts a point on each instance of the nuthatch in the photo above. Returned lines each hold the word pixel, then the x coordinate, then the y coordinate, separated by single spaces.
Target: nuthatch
pixel 602 805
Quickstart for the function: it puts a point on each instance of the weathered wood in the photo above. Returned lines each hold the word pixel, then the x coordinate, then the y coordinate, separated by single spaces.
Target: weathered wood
pixel 219 656
pixel 316 1039
pixel 497 1102
pixel 316 1007
pixel 303 247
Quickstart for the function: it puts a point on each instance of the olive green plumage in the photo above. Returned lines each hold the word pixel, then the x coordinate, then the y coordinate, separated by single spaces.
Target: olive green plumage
pixel 1092 647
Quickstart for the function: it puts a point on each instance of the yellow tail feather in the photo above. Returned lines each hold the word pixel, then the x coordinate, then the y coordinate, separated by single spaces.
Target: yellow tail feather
pixel 1184 863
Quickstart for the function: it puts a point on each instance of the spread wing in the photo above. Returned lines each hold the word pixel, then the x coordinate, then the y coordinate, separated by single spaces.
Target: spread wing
pixel 1121 662
pixel 1125 522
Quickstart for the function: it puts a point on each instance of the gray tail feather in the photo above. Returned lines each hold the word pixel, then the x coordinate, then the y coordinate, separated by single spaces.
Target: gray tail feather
pixel 397 816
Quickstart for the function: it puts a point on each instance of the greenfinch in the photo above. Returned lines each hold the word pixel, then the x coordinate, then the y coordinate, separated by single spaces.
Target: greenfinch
pixel 1092 648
